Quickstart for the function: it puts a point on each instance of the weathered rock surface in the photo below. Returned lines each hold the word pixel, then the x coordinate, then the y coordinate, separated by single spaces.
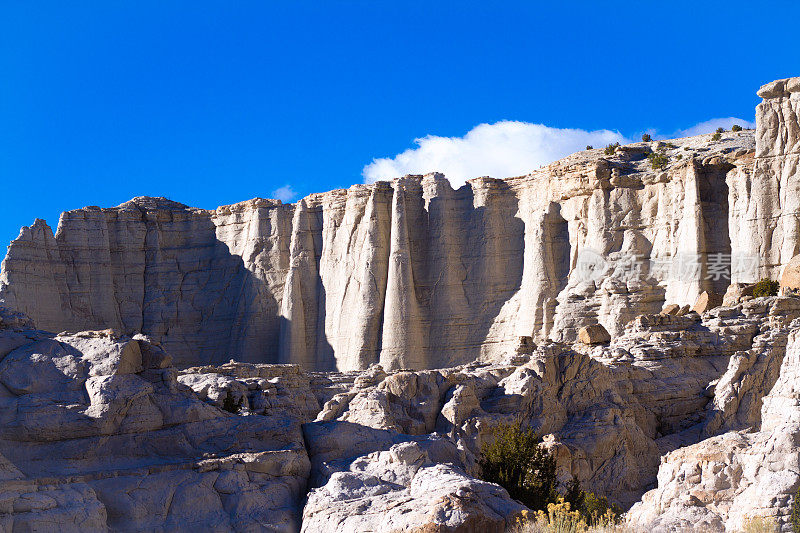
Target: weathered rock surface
pixel 406 484
pixel 790 278
pixel 723 480
pixel 410 319
pixel 91 439
pixel 609 411
pixel 87 421
pixel 408 274
pixel 97 434
pixel 764 198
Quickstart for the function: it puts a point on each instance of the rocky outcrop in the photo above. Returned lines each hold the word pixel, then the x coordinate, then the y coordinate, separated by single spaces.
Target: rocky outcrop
pixel 608 412
pixel 765 198
pixel 100 433
pixel 408 274
pixel 724 480
pixel 96 434
pixel 377 480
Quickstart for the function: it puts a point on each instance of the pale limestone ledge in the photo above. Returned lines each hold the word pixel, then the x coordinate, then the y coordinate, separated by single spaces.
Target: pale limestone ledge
pixel 780 88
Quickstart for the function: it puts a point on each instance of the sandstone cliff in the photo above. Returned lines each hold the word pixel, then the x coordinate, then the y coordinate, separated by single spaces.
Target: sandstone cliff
pixel 414 274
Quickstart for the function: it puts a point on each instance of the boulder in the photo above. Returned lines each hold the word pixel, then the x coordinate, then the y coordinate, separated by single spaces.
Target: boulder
pixel 736 293
pixel 683 310
pixel 407 488
pixel 707 301
pixel 594 334
pixel 790 279
pixel 671 309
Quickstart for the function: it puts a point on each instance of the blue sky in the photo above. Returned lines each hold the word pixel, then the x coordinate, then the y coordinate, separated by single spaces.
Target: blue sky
pixel 210 103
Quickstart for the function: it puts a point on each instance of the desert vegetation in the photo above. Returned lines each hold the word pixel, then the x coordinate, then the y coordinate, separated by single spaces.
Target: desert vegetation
pixel 516 461
pixel 766 287
pixel 658 161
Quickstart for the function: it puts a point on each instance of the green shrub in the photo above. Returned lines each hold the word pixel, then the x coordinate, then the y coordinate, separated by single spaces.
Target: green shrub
pixel 646 137
pixel 230 405
pixel 594 510
pixel 589 147
pixel 611 148
pixel 766 287
pixel 717 136
pixel 796 512
pixel 658 160
pixel 736 127
pixel 516 462
pixel 597 508
pixel 720 130
pixel 574 495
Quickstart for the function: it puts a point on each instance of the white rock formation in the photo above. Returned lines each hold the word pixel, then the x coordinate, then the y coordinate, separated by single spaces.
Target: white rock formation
pixel 405 484
pixel 410 319
pixel 765 198
pixel 408 274
pixel 91 416
pixel 96 434
pixel 724 480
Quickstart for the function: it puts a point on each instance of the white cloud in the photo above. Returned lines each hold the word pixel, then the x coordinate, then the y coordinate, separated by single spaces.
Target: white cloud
pixel 285 193
pixel 710 126
pixel 503 149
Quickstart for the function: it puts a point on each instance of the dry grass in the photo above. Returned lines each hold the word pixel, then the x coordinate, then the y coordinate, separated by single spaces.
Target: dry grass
pixel 560 519
pixel 760 524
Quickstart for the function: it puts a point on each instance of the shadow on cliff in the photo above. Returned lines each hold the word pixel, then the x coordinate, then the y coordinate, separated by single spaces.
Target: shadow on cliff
pixel 713 193
pixel 201 302
pixel 467 283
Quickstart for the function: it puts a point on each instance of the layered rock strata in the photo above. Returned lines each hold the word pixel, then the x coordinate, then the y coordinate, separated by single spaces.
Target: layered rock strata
pixel 765 199
pixel 97 434
pixel 408 274
pixel 100 432
pixel 724 481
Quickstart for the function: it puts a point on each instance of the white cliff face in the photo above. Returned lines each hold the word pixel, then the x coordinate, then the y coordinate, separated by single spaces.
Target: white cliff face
pixel 409 274
pixel 414 274
pixel 765 199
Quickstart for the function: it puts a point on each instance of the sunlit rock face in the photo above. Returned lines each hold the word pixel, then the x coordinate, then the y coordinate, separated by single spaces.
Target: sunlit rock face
pixel 765 198
pixel 414 274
